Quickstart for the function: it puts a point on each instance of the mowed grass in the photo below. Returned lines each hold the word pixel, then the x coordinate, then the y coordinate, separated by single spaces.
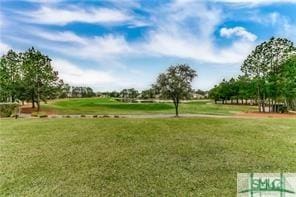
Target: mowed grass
pixel 140 157
pixel 111 106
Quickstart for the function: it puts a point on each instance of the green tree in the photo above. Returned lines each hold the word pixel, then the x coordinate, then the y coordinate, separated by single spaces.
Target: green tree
pixel 39 77
pixel 263 66
pixel 175 83
pixel 215 93
pixel 148 94
pixel 288 82
pixel 10 76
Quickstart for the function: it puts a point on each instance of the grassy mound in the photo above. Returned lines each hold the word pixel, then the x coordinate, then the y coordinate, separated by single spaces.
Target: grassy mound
pixel 111 106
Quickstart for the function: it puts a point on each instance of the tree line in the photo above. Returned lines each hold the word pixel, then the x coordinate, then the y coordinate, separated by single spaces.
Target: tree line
pixel 68 91
pixel 268 79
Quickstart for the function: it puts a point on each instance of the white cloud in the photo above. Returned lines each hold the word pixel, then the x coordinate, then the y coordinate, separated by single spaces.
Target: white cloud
pixel 264 19
pixel 65 36
pixel 182 29
pixel 237 31
pixel 97 48
pixel 288 30
pixel 92 48
pixel 97 79
pixel 171 36
pixel 75 75
pixel 254 2
pixel 57 16
pixel 174 37
pixel 4 48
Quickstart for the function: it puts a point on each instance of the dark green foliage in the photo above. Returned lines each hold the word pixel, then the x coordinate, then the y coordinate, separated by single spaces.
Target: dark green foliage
pixel 10 78
pixel 8 109
pixel 82 92
pixel 129 95
pixel 288 82
pixel 148 94
pixel 40 79
pixel 235 90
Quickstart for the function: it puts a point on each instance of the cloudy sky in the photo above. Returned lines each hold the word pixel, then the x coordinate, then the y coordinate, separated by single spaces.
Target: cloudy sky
pixel 115 44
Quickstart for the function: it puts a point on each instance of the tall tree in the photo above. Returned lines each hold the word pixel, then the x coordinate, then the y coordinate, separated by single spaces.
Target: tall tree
pixel 10 76
pixel 263 65
pixel 39 76
pixel 175 83
pixel 288 82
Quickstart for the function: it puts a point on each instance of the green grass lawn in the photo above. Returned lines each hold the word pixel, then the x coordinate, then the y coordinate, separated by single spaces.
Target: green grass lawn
pixel 140 157
pixel 111 106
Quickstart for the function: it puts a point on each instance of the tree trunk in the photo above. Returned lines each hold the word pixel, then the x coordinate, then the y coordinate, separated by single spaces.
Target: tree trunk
pixel 258 99
pixel 176 103
pixel 38 105
pixel 38 98
pixel 33 101
pixel 177 110
pixel 263 102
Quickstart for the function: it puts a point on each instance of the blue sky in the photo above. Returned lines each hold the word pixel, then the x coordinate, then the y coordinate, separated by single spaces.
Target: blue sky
pixel 110 45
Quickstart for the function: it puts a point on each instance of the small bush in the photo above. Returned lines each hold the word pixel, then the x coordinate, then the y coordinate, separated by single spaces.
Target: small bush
pixel 95 116
pixel 82 116
pixel 147 101
pixel 14 116
pixel 116 116
pixel 7 109
pixel 106 116
pixel 43 116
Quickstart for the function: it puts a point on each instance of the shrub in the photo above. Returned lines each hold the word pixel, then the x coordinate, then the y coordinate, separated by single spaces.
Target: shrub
pixel 43 116
pixel 147 101
pixel 95 116
pixel 82 116
pixel 116 116
pixel 106 116
pixel 7 109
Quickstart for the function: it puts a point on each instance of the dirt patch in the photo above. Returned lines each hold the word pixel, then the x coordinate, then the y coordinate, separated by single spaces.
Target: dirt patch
pixel 27 109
